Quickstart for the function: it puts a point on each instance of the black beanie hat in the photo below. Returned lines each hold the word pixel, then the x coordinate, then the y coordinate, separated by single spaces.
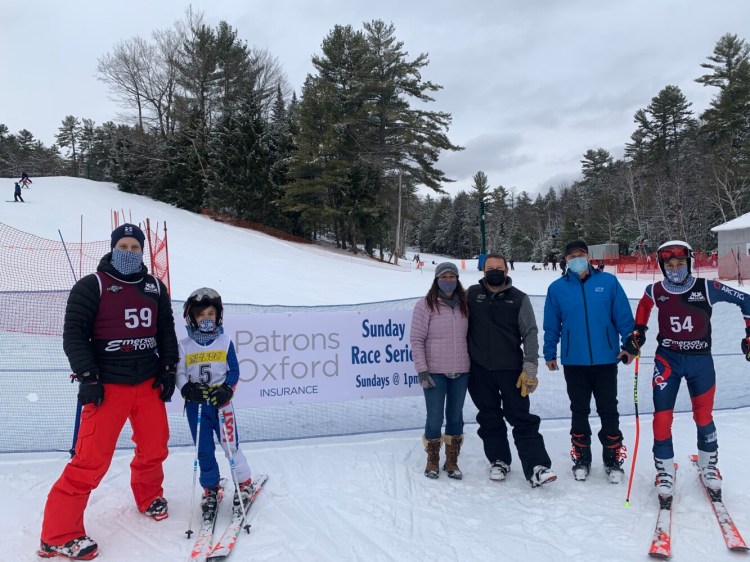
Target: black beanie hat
pixel 127 229
pixel 576 245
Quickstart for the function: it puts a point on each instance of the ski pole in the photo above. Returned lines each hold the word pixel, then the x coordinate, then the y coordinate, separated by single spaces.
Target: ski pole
pixel 232 466
pixel 195 470
pixel 79 407
pixel 637 426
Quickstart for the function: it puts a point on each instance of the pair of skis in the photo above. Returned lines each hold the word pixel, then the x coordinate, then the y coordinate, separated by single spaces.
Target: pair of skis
pixel 661 544
pixel 206 549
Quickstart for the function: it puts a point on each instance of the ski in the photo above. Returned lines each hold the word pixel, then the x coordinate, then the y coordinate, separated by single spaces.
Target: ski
pixel 661 543
pixel 728 529
pixel 223 547
pixel 202 546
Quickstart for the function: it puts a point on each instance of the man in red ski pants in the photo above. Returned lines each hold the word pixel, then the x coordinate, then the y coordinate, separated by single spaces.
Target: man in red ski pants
pixel 120 340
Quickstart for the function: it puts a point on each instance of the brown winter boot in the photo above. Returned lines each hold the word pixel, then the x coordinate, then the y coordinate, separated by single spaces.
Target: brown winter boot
pixel 432 446
pixel 452 449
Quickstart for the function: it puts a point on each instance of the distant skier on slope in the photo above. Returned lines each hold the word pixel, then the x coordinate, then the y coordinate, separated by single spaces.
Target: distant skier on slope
pixel 25 180
pixel 17 194
pixel 684 306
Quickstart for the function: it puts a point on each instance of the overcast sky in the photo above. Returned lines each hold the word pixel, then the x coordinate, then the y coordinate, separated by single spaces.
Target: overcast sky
pixel 531 85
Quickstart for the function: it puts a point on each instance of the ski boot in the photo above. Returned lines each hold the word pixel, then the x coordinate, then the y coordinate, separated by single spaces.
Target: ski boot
pixel 541 475
pixel 614 454
pixel 580 454
pixel 499 471
pixel 158 509
pixel 82 548
pixel 709 473
pixel 664 476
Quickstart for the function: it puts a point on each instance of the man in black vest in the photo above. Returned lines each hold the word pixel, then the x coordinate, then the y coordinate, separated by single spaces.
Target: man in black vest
pixel 501 322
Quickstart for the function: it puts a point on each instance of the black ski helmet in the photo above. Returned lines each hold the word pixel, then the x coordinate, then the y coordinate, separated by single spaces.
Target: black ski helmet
pixel 203 297
pixel 682 249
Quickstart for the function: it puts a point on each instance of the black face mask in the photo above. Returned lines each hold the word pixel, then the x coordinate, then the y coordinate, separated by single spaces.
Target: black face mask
pixel 495 277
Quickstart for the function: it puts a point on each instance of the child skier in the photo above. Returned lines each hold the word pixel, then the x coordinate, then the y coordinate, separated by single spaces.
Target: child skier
pixel 25 180
pixel 684 306
pixel 17 193
pixel 207 375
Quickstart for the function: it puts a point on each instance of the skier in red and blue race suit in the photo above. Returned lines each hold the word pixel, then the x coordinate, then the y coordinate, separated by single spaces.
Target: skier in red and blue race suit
pixel 684 304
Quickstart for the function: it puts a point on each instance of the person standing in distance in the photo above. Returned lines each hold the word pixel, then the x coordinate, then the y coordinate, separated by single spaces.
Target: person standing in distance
pixel 438 341
pixel 119 337
pixel 504 352
pixel 588 310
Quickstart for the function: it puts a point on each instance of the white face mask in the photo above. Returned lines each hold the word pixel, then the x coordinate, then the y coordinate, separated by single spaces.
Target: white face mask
pixel 676 276
pixel 578 265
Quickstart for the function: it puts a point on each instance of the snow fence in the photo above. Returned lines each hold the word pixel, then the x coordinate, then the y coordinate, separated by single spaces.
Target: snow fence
pixel 38 403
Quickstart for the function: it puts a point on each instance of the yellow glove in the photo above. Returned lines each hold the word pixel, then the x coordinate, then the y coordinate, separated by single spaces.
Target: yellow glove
pixel 527 382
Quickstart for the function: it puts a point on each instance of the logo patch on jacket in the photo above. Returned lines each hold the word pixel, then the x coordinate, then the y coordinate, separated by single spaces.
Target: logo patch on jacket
pixel 663 298
pixel 598 289
pixel 114 289
pixel 696 296
pixel 151 288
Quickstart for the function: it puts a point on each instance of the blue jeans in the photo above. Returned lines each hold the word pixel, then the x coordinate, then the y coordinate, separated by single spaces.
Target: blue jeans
pixel 447 397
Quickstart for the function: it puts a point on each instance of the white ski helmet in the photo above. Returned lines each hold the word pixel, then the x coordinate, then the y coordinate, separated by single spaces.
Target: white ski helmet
pixel 674 248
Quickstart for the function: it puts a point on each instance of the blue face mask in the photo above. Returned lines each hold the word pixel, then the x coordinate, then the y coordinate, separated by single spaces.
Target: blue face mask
pixel 676 276
pixel 447 285
pixel 578 265
pixel 206 326
pixel 126 263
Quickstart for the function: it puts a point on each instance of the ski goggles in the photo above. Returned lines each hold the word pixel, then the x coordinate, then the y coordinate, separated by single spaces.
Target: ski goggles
pixel 676 252
pixel 203 293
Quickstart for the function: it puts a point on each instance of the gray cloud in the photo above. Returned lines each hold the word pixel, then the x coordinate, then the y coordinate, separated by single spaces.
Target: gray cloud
pixel 530 85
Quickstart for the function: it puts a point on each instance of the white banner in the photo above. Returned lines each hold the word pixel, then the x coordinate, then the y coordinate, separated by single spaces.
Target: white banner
pixel 304 357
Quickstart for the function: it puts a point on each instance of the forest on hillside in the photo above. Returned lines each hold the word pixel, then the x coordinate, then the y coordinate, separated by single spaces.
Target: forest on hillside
pixel 212 124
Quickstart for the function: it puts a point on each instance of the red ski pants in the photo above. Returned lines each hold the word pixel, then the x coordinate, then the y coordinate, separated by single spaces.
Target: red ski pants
pixel 97 438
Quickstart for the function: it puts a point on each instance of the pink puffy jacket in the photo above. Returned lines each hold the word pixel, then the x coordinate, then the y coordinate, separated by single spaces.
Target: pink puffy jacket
pixel 438 338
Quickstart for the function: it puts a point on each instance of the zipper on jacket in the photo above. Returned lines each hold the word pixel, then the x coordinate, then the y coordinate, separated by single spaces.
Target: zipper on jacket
pixel 586 315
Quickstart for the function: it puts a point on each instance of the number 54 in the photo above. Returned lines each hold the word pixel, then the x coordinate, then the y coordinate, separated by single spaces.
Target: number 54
pixel 677 327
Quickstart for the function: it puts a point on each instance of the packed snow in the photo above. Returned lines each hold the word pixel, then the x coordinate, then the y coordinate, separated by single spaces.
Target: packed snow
pixel 364 497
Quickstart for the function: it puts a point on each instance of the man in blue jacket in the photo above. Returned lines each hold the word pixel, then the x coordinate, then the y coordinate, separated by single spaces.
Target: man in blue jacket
pixel 588 310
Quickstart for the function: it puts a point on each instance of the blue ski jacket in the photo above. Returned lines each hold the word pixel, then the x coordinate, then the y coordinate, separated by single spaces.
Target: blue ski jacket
pixel 590 319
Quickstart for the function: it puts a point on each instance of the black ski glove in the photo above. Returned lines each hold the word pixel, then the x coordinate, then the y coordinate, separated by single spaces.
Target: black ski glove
pixel 90 389
pixel 221 395
pixel 196 392
pixel 165 380
pixel 635 341
pixel 746 344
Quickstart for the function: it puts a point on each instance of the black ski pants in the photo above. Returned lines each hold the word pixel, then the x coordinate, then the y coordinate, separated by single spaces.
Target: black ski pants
pixel 495 395
pixel 601 381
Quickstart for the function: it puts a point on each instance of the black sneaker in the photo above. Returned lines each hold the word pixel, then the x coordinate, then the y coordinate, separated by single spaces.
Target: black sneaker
pixel 158 509
pixel 82 548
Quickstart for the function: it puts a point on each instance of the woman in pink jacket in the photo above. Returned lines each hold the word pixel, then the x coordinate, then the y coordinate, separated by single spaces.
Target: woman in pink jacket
pixel 441 357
